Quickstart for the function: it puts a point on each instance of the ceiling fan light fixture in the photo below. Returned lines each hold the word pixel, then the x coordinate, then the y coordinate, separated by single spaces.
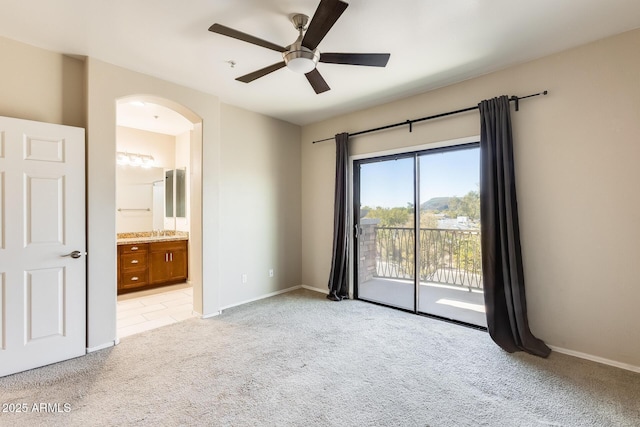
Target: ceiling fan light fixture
pixel 301 60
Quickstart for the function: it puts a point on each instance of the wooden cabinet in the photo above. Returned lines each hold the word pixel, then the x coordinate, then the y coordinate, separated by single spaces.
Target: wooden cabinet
pixel 149 265
pixel 168 262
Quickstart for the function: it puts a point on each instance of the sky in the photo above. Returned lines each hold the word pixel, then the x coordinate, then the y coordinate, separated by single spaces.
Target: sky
pixel 389 183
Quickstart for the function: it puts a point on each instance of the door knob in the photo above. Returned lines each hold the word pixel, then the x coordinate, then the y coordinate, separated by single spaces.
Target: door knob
pixel 74 254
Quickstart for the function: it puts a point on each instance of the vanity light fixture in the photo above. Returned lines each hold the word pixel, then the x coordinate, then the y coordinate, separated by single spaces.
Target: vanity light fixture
pixel 135 159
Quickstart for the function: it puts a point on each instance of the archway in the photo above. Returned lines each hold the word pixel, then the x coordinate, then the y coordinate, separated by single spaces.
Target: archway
pixel 150 115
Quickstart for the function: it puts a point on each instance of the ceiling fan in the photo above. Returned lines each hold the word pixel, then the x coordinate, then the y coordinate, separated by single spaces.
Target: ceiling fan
pixel 302 56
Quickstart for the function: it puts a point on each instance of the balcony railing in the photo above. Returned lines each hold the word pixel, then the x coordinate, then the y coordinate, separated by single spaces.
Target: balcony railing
pixel 451 257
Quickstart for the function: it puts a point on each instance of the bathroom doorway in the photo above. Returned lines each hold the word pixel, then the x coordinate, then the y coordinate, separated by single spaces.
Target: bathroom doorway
pixel 154 224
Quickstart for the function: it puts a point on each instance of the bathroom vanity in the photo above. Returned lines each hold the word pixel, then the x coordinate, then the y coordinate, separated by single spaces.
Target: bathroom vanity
pixel 147 260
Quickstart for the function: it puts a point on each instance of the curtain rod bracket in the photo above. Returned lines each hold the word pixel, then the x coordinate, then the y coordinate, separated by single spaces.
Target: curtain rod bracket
pixel 516 100
pixel 410 123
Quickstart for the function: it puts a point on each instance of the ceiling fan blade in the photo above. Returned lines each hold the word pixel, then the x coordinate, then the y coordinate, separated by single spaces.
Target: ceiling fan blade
pixel 317 82
pixel 260 73
pixel 323 19
pixel 230 32
pixel 367 59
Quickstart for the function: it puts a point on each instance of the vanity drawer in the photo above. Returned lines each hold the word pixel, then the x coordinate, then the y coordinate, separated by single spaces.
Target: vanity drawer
pixel 134 248
pixel 133 279
pixel 135 260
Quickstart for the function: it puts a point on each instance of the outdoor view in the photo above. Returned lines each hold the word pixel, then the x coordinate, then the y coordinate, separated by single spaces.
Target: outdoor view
pixel 449 224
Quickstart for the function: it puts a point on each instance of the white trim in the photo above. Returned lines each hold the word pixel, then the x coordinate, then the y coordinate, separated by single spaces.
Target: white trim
pixel 321 291
pixel 209 316
pixel 411 149
pixel 102 346
pixel 597 359
pixel 272 294
pixel 311 288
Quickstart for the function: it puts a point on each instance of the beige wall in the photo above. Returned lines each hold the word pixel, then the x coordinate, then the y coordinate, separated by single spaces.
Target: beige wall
pixel 162 147
pixel 39 85
pixel 106 85
pixel 576 154
pixel 260 201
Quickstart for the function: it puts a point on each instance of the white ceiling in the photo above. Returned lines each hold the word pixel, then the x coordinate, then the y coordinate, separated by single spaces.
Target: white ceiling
pixel 432 43
pixel 151 117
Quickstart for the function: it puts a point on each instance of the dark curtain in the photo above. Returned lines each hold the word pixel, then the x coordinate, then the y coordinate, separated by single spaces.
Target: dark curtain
pixel 338 283
pixel 502 270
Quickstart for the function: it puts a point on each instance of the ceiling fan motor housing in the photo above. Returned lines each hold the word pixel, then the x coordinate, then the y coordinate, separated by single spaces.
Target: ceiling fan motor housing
pixel 297 57
pixel 300 59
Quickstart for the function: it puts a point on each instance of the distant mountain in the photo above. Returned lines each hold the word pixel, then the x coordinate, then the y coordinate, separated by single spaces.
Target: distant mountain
pixel 435 204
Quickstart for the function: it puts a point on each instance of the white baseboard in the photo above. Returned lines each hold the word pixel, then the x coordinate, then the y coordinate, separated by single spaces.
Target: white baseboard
pixel 102 346
pixel 272 294
pixel 311 288
pixel 322 291
pixel 597 359
pixel 209 316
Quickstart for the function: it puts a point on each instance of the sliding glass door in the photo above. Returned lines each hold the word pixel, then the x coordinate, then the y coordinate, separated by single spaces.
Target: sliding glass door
pixel 385 221
pixel 450 280
pixel 424 203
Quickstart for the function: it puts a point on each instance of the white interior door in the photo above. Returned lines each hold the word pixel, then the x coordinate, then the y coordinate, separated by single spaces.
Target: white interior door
pixel 42 222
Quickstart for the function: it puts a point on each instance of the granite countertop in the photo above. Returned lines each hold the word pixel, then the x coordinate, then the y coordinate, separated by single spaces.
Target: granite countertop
pixel 150 237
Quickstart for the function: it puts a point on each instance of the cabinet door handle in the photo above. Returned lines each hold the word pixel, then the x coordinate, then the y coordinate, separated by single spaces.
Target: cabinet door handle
pixel 135 261
pixel 166 257
pixel 171 257
pixel 134 248
pixel 135 279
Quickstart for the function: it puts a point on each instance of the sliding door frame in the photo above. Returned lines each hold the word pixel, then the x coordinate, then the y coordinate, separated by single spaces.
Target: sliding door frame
pixel 409 152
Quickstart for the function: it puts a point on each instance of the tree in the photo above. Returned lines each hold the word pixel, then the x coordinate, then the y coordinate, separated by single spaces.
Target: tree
pixel 468 205
pixel 428 219
pixel 391 217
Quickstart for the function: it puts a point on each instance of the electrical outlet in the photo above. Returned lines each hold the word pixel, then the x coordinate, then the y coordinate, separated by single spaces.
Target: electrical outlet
pixel 244 278
pixel 271 273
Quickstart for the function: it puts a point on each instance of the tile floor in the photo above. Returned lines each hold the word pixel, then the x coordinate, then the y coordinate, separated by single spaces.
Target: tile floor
pixel 146 310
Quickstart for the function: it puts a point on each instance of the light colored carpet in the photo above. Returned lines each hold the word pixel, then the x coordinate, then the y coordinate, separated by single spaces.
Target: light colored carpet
pixel 300 360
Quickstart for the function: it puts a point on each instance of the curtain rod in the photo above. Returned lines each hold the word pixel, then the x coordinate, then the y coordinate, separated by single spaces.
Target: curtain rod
pixel 515 99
